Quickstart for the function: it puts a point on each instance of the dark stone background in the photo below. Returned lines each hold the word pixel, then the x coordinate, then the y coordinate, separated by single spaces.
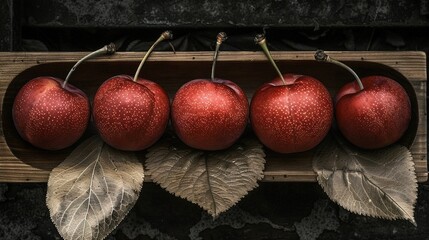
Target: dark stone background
pixel 273 210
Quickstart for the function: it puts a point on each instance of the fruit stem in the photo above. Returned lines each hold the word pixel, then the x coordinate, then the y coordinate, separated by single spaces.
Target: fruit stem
pixel 164 35
pixel 108 49
pixel 261 40
pixel 321 56
pixel 219 39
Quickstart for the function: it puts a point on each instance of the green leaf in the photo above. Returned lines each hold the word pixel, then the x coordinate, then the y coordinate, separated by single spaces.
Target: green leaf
pixel 93 189
pixel 377 183
pixel 214 180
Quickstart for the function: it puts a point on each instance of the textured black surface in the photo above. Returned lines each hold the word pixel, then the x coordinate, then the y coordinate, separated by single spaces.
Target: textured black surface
pixel 209 13
pixel 69 18
pixel 10 25
pixel 6 26
pixel 272 211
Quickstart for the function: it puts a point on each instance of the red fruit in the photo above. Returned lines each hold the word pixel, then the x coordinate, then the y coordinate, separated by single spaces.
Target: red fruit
pixel 294 117
pixel 130 115
pixel 376 116
pixel 49 116
pixel 209 115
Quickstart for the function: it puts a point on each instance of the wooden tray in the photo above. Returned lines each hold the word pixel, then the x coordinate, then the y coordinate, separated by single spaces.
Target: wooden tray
pixel 20 162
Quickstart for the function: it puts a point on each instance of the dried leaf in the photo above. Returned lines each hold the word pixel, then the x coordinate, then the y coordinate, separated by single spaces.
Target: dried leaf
pixel 214 180
pixel 378 183
pixel 93 189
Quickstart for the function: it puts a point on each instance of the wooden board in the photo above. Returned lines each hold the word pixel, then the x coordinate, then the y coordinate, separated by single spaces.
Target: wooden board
pixel 20 162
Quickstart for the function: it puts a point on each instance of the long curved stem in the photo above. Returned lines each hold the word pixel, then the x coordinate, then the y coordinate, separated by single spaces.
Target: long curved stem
pixel 261 40
pixel 220 38
pixel 108 49
pixel 164 35
pixel 320 55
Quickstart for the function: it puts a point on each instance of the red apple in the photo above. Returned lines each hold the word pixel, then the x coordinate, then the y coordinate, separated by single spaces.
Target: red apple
pixel 130 115
pixel 292 113
pixel 50 116
pixel 373 112
pixel 376 116
pixel 293 116
pixel 209 114
pixel 51 113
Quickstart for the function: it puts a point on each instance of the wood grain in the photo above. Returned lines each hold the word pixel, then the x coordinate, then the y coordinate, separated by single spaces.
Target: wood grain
pixel 20 162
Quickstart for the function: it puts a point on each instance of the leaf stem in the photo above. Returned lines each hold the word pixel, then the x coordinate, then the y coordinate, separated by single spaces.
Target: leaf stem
pixel 321 56
pixel 261 40
pixel 219 39
pixel 108 49
pixel 164 35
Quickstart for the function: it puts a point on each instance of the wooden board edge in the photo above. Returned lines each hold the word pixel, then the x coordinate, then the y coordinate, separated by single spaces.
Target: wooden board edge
pixel 35 58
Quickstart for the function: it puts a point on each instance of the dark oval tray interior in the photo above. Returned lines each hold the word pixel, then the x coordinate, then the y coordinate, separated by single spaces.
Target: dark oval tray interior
pixel 172 74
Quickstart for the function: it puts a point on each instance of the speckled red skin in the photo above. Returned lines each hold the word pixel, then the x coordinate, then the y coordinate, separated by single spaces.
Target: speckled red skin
pixel 294 117
pixel 48 116
pixel 375 117
pixel 209 115
pixel 129 115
